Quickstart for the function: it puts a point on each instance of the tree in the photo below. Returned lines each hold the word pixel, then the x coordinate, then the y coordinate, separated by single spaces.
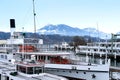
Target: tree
pixel 77 40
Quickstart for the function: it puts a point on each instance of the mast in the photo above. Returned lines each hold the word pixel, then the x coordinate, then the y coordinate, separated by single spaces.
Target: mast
pixel 34 16
pixel 98 33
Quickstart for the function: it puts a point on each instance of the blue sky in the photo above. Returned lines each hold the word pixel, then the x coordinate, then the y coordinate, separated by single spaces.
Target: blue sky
pixel 76 13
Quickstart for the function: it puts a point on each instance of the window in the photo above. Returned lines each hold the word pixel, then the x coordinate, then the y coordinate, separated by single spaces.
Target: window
pixel 30 70
pixel 7 78
pixel 21 69
pixel 5 56
pixel 77 72
pixel 95 50
pixel 2 56
pixel 38 70
pixel 84 72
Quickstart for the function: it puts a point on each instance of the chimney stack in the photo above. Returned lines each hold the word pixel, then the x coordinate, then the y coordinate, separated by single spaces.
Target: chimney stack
pixel 12 26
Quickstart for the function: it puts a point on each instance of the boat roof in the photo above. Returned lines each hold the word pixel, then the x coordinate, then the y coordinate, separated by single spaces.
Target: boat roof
pixel 28 64
pixel 48 53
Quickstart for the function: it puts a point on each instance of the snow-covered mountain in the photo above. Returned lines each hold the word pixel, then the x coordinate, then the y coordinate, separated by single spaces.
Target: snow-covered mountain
pixel 63 29
pixel 96 33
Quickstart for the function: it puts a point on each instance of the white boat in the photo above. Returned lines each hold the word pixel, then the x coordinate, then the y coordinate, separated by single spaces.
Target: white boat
pixel 100 49
pixel 100 52
pixel 13 65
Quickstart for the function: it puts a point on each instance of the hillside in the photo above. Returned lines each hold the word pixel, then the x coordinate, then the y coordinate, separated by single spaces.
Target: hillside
pixel 49 38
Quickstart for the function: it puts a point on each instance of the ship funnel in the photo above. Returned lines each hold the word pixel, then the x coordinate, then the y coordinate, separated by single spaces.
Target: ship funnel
pixel 12 26
pixel 12 23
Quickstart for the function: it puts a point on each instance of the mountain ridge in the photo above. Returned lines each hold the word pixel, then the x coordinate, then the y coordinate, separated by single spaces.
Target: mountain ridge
pixel 63 29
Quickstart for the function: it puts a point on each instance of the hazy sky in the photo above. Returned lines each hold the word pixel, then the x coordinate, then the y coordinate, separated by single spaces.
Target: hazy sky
pixel 76 13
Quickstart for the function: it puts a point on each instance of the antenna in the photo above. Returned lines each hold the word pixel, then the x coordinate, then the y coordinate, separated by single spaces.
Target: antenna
pixel 34 16
pixel 106 50
pixel 89 40
pixel 98 32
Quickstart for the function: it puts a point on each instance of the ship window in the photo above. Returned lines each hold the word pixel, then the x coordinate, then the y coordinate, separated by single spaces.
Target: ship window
pixel 43 57
pixel 88 68
pixel 114 50
pixel 38 70
pixel 110 51
pixel 30 70
pixel 84 72
pixel 77 72
pixel 57 70
pixel 49 57
pixel 103 45
pixel 117 51
pixel 109 45
pixel 2 45
pixel 93 76
pixel 7 78
pixel 2 56
pixel 103 50
pixel 21 69
pixel 5 56
pixel 118 45
pixel 100 49
pixel 95 49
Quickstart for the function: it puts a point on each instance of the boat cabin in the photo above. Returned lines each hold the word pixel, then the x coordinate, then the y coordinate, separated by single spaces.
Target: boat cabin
pixel 29 67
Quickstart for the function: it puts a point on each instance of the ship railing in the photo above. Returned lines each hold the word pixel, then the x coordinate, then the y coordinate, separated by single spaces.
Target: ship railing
pixel 43 50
